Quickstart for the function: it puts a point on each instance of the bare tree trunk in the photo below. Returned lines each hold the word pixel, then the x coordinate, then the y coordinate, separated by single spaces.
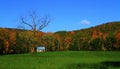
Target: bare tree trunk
pixel 37 24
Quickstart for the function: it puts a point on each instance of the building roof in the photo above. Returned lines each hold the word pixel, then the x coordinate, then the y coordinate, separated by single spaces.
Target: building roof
pixel 40 48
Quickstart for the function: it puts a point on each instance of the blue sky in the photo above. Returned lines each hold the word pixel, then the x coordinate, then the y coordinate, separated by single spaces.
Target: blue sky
pixel 66 14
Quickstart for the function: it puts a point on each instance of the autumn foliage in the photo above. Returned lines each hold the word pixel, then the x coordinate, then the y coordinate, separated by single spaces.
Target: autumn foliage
pixel 104 37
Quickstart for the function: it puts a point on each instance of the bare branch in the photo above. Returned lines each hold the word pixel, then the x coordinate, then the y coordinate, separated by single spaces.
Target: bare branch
pixel 33 17
pixel 44 22
pixel 24 22
pixel 38 23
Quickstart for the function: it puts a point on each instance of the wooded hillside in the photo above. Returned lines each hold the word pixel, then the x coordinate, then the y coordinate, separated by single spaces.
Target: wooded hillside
pixel 105 37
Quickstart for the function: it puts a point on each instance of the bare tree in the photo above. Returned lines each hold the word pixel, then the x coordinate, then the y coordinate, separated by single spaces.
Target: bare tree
pixel 35 23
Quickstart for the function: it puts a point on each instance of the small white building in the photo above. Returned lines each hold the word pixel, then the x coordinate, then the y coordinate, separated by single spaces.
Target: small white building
pixel 40 49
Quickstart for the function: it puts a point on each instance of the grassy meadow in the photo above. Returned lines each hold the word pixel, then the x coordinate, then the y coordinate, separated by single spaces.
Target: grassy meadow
pixel 62 60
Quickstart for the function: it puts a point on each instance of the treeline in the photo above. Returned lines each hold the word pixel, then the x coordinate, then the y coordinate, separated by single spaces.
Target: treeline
pixel 104 37
pixel 17 41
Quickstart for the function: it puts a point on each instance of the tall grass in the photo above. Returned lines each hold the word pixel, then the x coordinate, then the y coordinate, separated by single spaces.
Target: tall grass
pixel 56 60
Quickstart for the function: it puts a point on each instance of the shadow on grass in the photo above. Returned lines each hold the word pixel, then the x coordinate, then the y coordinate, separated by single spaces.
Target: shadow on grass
pixel 102 65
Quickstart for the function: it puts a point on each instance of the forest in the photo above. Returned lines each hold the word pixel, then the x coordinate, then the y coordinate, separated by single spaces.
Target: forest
pixel 105 37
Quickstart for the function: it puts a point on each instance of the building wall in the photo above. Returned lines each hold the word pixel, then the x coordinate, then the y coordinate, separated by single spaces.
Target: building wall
pixel 40 50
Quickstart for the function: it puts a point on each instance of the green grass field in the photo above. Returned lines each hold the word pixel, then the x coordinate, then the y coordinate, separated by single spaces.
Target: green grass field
pixel 62 60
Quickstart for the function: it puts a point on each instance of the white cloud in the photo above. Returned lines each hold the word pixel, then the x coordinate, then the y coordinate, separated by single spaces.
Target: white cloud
pixel 85 22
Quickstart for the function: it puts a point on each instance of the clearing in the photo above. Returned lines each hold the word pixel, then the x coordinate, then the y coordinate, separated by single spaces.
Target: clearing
pixel 62 60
